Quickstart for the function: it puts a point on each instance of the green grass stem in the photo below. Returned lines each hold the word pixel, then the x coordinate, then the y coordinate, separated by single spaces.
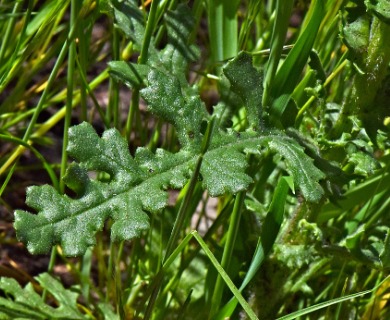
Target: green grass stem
pixel 113 101
pixel 227 252
pixel 9 65
pixel 286 78
pixel 182 216
pixel 328 303
pixel 223 29
pixel 50 123
pixel 283 12
pixel 270 231
pixel 50 82
pixel 70 76
pixel 150 27
pixel 225 277
pixel 9 30
pixel 45 164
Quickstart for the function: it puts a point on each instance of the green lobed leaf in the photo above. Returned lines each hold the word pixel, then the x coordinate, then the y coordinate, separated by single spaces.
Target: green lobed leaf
pixel 300 167
pixel 223 171
pixel 246 82
pixel 168 94
pixel 131 74
pixel 356 35
pixel 182 108
pixel 137 185
pixel 25 303
pixel 179 52
pixel 174 58
pixel 168 97
pixel 125 199
pixel 381 8
pixel 130 19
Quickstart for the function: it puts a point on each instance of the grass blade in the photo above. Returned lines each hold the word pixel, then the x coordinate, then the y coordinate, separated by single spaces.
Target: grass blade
pixel 325 304
pixel 228 251
pixel 270 230
pixel 283 12
pixel 225 277
pixel 286 78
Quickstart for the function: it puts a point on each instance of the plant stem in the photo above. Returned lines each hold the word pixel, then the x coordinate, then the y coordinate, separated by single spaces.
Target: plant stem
pixel 283 12
pixel 181 217
pixel 133 109
pixel 150 25
pixel 68 115
pixel 10 28
pixel 113 103
pixel 69 94
pixel 142 59
pixel 227 252
pixel 222 17
pixel 50 81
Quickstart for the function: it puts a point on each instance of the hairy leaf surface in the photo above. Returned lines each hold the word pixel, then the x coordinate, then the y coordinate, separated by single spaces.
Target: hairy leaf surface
pixel 138 185
pixel 28 304
pixel 166 99
pixel 130 19
pixel 247 83
pixel 180 24
pixel 134 189
pixel 381 8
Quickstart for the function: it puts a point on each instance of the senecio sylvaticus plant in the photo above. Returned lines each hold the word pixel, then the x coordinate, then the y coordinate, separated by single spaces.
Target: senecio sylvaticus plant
pixel 291 180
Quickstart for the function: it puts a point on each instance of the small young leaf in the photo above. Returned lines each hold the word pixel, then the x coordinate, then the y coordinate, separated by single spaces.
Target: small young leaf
pixel 246 82
pixel 131 74
pixel 356 35
pixel 182 108
pixel 129 18
pixel 27 304
pixel 301 168
pixel 180 24
pixel 295 255
pixel 381 8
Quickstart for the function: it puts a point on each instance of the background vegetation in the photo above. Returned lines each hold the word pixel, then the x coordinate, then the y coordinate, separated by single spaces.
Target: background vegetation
pixel 262 125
